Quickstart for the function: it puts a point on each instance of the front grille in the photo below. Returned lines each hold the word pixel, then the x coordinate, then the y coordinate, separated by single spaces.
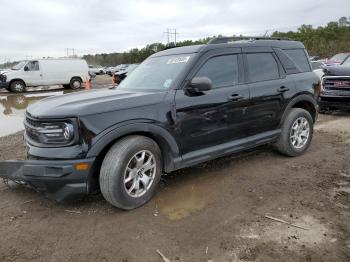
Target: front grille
pixel 49 132
pixel 31 128
pixel 337 83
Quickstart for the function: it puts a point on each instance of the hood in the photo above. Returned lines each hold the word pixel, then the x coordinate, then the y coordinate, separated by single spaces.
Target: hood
pixel 92 102
pixel 337 70
pixel 9 72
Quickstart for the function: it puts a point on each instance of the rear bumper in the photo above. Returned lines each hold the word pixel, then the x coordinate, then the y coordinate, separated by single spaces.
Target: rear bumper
pixel 56 179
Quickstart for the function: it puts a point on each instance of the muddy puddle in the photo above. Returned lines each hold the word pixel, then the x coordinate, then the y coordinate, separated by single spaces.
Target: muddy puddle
pixel 13 108
pixel 180 199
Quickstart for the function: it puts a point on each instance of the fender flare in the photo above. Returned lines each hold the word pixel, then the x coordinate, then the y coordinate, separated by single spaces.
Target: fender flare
pixel 300 98
pixel 162 137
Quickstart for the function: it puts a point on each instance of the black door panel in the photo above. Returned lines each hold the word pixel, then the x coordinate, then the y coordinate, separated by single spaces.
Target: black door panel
pixel 209 119
pixel 216 116
pixel 267 104
pixel 270 90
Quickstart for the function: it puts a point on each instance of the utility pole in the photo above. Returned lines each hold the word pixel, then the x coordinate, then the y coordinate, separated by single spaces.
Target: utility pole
pixel 68 50
pixel 169 33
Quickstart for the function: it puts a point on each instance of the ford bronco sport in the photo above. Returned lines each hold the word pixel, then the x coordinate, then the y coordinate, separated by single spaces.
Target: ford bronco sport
pixel 179 108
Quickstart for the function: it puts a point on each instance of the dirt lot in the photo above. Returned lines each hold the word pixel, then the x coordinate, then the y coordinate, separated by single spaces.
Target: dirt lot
pixel 215 211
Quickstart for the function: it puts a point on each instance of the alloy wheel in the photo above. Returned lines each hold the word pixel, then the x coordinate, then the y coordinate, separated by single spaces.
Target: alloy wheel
pixel 140 173
pixel 300 132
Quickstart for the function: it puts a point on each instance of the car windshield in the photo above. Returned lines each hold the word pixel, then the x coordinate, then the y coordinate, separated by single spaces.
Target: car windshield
pixel 156 73
pixel 347 62
pixel 19 65
pixel 339 57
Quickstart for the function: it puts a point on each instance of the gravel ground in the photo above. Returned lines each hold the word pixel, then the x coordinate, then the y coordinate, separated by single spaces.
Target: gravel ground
pixel 214 211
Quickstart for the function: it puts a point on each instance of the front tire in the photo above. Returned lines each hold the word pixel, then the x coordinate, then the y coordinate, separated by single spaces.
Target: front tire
pixel 297 132
pixel 130 172
pixel 17 86
pixel 75 83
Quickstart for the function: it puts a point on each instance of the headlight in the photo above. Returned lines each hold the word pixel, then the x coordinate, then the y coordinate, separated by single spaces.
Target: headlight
pixel 57 132
pixel 49 133
pixel 3 78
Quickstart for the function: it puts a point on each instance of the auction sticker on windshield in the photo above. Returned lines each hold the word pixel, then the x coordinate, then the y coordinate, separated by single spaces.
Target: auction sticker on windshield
pixel 177 60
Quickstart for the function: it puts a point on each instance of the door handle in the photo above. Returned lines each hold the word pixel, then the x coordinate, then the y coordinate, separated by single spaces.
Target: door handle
pixel 235 97
pixel 282 89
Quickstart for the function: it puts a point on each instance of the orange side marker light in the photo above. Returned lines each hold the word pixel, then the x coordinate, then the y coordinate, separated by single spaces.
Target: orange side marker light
pixel 81 166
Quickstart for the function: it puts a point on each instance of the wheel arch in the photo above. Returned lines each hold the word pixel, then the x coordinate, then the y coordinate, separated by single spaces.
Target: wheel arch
pixel 162 137
pixel 17 79
pixel 304 101
pixel 76 77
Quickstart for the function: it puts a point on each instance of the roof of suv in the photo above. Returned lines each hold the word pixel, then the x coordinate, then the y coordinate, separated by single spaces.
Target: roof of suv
pixel 219 43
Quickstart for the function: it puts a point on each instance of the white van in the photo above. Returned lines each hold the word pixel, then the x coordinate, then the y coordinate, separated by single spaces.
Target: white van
pixel 44 72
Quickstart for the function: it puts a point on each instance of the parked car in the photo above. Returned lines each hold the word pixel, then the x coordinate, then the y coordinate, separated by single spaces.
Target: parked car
pixel 122 74
pixel 181 107
pixel 118 68
pixel 314 58
pixel 335 88
pixel 337 59
pixel 96 70
pixel 44 72
pixel 110 69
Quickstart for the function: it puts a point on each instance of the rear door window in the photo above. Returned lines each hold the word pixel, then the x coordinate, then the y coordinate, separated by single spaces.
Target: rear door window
pixel 262 67
pixel 299 57
pixel 221 70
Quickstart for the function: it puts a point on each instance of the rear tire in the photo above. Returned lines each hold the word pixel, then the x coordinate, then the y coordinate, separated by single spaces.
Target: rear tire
pixel 17 86
pixel 130 172
pixel 297 132
pixel 75 83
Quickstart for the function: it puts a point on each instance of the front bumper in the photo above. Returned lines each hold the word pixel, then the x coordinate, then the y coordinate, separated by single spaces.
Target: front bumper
pixel 4 84
pixel 338 102
pixel 59 180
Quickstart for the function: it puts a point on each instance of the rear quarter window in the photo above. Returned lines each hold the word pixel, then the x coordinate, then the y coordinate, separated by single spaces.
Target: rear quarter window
pixel 299 57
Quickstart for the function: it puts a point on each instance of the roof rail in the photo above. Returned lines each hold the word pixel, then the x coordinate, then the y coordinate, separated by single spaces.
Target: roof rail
pixel 223 40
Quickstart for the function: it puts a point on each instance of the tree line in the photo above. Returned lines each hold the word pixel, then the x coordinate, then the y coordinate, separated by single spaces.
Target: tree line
pixel 323 41
pixel 136 55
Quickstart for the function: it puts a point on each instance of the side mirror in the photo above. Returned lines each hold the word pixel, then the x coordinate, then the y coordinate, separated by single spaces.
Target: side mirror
pixel 200 84
pixel 26 68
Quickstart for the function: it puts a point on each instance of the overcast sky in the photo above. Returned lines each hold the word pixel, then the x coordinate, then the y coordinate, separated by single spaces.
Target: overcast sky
pixel 40 28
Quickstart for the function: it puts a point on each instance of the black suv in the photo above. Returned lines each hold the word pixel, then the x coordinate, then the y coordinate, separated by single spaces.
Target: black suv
pixel 180 107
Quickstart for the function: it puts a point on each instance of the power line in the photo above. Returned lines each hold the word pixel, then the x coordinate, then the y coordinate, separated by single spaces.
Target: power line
pixel 68 50
pixel 171 32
